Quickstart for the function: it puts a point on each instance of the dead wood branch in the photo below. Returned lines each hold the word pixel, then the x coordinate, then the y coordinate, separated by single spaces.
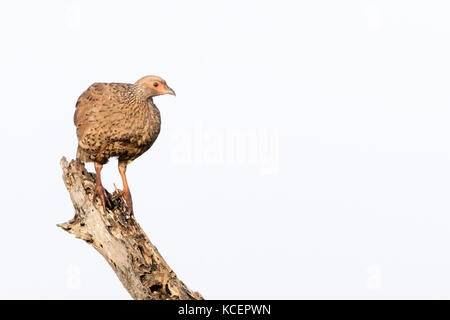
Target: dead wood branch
pixel 121 241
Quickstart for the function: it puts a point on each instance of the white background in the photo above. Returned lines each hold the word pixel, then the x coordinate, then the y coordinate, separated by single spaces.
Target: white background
pixel 306 154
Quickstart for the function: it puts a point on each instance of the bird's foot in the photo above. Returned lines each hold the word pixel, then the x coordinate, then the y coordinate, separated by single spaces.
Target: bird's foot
pixel 117 193
pixel 126 195
pixel 101 193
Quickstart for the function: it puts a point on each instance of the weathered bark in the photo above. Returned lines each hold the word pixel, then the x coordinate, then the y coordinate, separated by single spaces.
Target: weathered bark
pixel 121 241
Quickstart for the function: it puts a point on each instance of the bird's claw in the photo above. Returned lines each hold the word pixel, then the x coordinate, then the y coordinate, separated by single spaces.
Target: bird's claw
pixel 117 193
pixel 127 197
pixel 101 193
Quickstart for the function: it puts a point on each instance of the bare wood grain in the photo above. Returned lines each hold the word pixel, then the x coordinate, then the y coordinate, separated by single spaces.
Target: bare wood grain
pixel 121 241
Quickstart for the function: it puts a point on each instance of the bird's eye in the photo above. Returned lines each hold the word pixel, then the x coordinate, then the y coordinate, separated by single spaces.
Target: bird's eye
pixel 155 84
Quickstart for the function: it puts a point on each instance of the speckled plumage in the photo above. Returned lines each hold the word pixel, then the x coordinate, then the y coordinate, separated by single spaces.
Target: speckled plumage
pixel 118 120
pixel 112 122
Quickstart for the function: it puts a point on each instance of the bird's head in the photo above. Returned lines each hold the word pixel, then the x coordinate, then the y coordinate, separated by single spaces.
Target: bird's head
pixel 150 86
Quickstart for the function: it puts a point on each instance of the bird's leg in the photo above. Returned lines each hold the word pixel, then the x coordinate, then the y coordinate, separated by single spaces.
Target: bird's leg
pixel 99 190
pixel 126 190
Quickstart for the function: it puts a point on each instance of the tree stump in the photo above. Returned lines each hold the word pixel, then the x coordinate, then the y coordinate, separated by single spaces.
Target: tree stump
pixel 120 240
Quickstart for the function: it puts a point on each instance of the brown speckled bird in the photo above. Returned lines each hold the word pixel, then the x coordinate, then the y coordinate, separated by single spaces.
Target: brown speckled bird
pixel 118 120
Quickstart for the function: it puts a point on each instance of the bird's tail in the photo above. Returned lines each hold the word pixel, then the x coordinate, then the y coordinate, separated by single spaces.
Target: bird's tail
pixel 80 154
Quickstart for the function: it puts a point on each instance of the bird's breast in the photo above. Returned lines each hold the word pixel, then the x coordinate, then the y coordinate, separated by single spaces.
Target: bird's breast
pixel 148 127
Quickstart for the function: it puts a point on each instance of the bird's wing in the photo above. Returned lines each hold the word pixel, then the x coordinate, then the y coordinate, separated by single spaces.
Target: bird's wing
pixel 97 104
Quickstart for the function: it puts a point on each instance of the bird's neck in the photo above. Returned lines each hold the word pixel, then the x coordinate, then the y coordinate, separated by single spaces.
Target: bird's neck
pixel 137 94
pixel 137 103
pixel 151 103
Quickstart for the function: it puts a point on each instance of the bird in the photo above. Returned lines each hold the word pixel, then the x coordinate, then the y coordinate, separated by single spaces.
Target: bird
pixel 118 120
